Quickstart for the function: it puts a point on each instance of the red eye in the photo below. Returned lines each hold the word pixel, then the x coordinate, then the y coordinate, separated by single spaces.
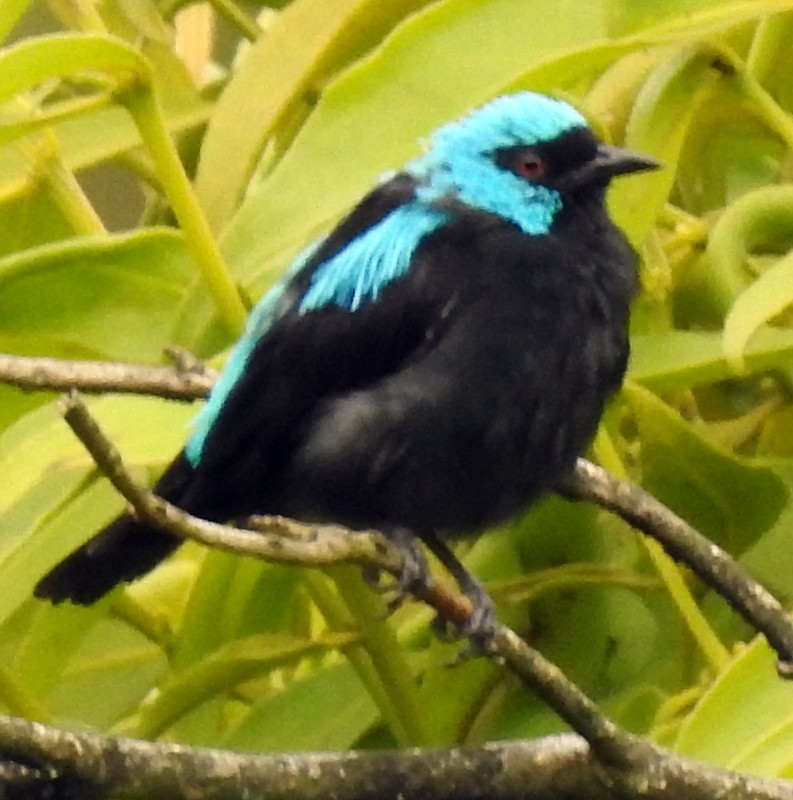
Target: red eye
pixel 530 168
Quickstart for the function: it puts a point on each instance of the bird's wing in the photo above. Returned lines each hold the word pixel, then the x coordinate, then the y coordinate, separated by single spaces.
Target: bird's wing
pixel 321 332
pixel 285 297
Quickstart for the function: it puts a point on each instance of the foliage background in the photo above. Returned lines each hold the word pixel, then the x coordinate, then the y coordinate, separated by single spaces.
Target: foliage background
pixel 280 136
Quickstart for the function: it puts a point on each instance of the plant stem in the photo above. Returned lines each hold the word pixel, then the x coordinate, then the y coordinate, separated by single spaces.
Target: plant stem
pixel 237 17
pixel 142 104
pixel 770 35
pixel 772 114
pixel 10 13
pixel 376 658
pixel 78 15
pixel 64 189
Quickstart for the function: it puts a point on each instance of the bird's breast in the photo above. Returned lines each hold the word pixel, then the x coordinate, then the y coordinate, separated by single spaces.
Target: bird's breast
pixel 504 391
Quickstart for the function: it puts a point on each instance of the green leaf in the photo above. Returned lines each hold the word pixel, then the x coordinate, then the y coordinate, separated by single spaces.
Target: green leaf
pixel 658 125
pixel 45 651
pixel 33 61
pixel 728 153
pixel 233 663
pixel 89 297
pixel 327 710
pixel 728 498
pixel 47 523
pixel 29 219
pixel 87 140
pixel 111 673
pixel 759 220
pixel 10 13
pixel 770 558
pixel 304 45
pixel 138 18
pixel 679 359
pixel 768 296
pixel 48 508
pixel 679 15
pixel 759 707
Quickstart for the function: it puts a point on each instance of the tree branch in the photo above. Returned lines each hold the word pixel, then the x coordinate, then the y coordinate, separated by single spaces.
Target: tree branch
pixel 189 380
pixel 40 761
pixel 322 545
pixel 184 381
pixel 714 566
pixel 624 758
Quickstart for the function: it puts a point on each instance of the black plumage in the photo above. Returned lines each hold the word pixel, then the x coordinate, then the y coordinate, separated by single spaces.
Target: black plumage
pixel 448 402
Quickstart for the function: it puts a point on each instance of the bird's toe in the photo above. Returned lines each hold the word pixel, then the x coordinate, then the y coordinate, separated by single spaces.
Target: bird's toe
pixel 412 580
pixel 480 626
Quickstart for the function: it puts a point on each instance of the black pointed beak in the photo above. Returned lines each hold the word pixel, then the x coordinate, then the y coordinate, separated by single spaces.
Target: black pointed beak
pixel 609 162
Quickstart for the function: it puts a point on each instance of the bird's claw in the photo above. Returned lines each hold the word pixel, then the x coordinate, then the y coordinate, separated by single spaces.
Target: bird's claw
pixel 479 628
pixel 412 580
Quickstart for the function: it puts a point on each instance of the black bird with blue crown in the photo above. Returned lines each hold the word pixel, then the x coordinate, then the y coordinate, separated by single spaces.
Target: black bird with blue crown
pixel 431 367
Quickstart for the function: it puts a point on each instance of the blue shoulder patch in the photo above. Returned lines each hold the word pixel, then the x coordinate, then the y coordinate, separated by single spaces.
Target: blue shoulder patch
pixel 358 273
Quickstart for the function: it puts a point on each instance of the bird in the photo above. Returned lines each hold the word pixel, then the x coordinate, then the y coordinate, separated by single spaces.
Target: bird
pixel 430 368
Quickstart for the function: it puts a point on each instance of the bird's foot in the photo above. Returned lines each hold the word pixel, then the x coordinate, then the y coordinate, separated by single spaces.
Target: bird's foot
pixel 479 627
pixel 413 579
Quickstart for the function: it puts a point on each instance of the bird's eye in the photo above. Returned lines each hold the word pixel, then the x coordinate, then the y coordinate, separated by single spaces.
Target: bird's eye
pixel 530 167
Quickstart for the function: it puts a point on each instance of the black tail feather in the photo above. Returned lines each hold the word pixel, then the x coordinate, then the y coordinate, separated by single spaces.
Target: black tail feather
pixel 126 549
pixel 123 551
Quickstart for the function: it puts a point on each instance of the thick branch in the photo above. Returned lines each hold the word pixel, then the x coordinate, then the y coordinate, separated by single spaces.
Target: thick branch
pixel 46 762
pixel 55 763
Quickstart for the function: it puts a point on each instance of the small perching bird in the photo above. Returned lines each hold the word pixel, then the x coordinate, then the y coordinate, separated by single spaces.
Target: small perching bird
pixel 428 369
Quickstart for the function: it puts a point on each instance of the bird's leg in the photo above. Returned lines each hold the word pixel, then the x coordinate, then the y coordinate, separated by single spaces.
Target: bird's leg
pixel 415 580
pixel 414 577
pixel 481 624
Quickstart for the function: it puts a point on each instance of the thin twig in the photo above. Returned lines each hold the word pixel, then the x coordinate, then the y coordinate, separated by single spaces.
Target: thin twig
pixel 714 566
pixel 37 373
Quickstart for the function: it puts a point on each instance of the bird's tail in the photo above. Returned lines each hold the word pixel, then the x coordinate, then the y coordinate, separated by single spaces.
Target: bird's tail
pixel 123 551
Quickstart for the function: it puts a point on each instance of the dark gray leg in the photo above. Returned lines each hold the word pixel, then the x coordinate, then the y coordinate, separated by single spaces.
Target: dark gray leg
pixel 480 626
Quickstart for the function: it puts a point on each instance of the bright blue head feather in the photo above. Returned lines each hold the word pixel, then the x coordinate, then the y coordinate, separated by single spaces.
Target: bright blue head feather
pixel 460 162
pixel 525 118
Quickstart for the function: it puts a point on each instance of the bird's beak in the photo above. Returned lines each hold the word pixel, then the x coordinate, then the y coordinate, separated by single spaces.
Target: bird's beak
pixel 609 161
